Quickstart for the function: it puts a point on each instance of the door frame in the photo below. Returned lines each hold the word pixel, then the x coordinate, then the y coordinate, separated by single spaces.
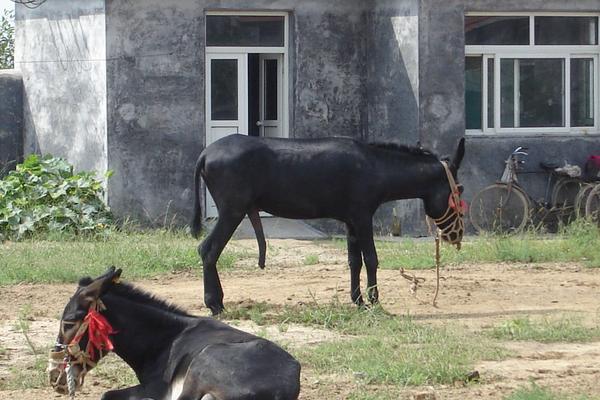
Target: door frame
pixel 280 93
pixel 211 50
pixel 235 52
pixel 242 93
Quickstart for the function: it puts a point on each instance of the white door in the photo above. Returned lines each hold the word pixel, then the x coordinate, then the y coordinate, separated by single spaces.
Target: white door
pixel 271 95
pixel 226 101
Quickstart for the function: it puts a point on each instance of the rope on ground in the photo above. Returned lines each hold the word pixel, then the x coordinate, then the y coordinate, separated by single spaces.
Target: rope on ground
pixel 415 281
pixel 437 268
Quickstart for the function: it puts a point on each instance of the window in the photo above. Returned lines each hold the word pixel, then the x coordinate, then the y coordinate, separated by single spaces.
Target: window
pixel 245 30
pixel 531 74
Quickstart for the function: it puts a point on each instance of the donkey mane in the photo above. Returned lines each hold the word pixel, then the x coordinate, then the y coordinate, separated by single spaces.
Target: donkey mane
pixel 414 150
pixel 137 295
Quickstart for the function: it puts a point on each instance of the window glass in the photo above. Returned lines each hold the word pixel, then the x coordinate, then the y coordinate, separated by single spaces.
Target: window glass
pixel 532 93
pixel 486 30
pixel 271 75
pixel 224 90
pixel 473 92
pixel 235 30
pixel 566 30
pixel 490 93
pixel 507 93
pixel 582 92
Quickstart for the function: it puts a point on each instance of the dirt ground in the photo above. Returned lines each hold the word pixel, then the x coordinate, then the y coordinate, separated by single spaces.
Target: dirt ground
pixel 473 296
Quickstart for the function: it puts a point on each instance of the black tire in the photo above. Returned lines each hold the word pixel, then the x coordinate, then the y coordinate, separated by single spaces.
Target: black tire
pixel 563 197
pixel 581 199
pixel 592 205
pixel 496 209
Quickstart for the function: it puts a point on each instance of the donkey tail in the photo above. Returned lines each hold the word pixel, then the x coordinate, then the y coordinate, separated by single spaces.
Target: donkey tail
pixel 196 225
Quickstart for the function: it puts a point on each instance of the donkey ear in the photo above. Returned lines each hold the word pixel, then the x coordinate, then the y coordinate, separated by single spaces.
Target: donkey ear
pixel 100 285
pixel 458 156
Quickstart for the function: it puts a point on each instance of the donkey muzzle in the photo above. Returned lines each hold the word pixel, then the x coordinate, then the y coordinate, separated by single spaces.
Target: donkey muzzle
pixel 58 373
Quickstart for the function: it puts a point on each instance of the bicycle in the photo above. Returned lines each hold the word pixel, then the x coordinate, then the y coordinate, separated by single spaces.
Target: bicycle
pixel 587 202
pixel 506 207
pixel 592 203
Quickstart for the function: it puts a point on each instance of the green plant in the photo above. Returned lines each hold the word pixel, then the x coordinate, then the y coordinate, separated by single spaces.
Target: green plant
pixel 535 392
pixel 563 329
pixel 30 375
pixel 7 40
pixel 44 195
pixel 114 371
pixel 24 326
pixel 379 348
pixel 392 350
pixel 311 259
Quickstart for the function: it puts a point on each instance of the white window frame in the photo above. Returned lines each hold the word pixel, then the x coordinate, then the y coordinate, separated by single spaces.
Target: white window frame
pixel 566 52
pixel 262 49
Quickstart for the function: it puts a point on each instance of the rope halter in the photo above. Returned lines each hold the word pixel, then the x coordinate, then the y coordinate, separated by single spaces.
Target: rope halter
pixel 61 362
pixel 453 231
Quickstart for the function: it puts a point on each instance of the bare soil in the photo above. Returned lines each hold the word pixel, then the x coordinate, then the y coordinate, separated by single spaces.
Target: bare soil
pixel 473 296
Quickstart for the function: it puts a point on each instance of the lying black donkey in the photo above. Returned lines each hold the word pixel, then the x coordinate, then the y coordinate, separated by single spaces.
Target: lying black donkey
pixel 335 177
pixel 175 356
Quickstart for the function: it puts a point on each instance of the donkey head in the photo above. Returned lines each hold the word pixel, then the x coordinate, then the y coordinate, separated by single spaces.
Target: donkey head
pixel 84 333
pixel 443 205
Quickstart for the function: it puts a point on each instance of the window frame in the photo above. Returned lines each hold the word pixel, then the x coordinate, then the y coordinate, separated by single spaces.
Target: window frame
pixel 531 50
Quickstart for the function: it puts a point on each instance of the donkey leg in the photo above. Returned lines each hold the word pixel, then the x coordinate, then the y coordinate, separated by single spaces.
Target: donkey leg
pixel 355 263
pixel 260 237
pixel 130 393
pixel 367 245
pixel 210 250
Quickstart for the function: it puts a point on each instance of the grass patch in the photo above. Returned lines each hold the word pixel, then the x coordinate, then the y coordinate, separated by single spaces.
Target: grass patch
pixel 411 354
pixel 140 254
pixel 29 376
pixel 311 259
pixel 114 371
pixel 535 392
pixel 255 312
pixel 575 243
pixel 383 348
pixel 548 330
pixel 367 393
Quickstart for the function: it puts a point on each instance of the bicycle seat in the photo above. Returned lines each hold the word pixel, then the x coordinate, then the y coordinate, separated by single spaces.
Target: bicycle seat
pixel 549 165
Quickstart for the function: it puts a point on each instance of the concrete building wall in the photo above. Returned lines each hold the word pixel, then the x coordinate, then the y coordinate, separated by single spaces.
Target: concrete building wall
pixel 392 58
pixel 11 120
pixel 60 51
pixel 156 88
pixel 353 72
pixel 441 55
pixel 120 85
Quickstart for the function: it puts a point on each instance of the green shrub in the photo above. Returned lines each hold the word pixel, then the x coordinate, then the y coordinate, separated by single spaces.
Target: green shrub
pixel 44 195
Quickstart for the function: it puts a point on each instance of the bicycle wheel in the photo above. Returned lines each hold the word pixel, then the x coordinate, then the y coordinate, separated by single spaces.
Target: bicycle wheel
pixel 497 209
pixel 563 197
pixel 592 205
pixel 581 199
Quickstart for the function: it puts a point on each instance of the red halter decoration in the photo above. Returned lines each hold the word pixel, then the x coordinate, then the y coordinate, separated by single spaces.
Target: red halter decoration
pixel 462 208
pixel 98 329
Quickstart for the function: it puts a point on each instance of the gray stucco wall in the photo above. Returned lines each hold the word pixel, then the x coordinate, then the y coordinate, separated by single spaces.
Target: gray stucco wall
pixel 11 119
pixel 346 76
pixel 60 50
pixel 120 85
pixel 442 97
pixel 393 92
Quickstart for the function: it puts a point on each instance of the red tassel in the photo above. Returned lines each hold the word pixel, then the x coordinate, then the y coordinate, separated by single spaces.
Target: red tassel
pixel 99 330
pixel 463 207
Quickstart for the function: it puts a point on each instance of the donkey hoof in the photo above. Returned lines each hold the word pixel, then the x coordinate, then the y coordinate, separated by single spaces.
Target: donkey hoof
pixel 217 310
pixel 360 303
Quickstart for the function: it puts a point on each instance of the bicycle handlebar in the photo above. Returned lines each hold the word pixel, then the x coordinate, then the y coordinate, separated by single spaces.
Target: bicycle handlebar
pixel 520 151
